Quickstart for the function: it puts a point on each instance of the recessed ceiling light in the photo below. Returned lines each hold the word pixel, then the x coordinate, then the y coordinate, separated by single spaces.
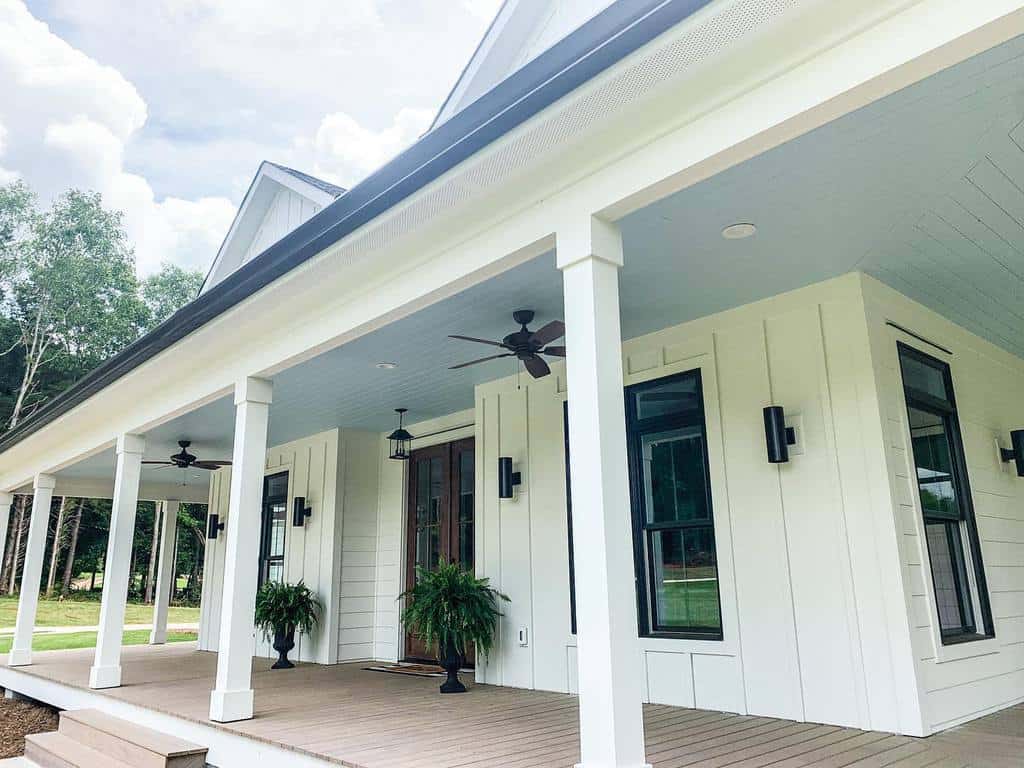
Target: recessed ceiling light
pixel 387 366
pixel 739 231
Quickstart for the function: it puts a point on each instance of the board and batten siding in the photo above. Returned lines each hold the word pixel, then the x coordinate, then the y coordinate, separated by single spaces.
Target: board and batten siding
pixel 964 681
pixel 331 471
pixel 805 569
pixel 287 211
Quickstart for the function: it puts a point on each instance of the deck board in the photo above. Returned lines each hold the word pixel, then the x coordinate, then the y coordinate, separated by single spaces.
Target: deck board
pixel 351 716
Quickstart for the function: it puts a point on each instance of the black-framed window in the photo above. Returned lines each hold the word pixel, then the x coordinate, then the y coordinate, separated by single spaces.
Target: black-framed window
pixel 568 512
pixel 673 524
pixel 951 535
pixel 274 526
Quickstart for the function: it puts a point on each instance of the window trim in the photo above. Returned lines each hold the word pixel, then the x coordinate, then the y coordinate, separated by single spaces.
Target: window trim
pixel 948 411
pixel 644 567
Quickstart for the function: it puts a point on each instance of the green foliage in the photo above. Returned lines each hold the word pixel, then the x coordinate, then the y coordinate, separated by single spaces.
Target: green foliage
pixel 280 607
pixel 167 291
pixel 450 604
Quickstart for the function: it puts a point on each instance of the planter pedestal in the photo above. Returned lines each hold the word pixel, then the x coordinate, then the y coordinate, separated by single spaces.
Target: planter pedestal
pixel 283 643
pixel 451 663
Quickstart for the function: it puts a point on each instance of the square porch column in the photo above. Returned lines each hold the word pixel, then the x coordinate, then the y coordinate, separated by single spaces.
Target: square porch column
pixel 610 695
pixel 232 699
pixel 32 571
pixel 164 573
pixel 6 502
pixel 106 668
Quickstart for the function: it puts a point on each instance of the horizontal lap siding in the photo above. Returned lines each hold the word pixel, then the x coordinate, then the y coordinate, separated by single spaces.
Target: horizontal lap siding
pixel 989 388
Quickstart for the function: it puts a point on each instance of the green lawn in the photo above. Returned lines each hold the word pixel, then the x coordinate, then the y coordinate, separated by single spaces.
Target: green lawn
pixel 88 640
pixel 73 613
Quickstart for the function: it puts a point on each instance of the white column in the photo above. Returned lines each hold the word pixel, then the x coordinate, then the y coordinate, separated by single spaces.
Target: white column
pixel 31 572
pixel 164 573
pixel 610 693
pixel 6 500
pixel 232 699
pixel 106 669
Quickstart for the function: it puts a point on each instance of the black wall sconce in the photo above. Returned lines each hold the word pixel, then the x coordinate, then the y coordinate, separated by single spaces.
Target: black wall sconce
pixel 778 437
pixel 400 440
pixel 213 525
pixel 300 511
pixel 1015 454
pixel 507 479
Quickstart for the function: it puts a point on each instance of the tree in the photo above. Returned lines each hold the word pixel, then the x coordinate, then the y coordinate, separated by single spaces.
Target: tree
pixel 69 561
pixel 58 535
pixel 72 295
pixel 167 291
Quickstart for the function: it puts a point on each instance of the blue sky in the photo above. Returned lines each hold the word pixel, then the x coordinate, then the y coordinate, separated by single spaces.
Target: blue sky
pixel 168 106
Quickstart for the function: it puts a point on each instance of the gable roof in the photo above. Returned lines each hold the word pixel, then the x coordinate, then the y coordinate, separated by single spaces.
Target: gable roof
pixel 616 32
pixel 266 185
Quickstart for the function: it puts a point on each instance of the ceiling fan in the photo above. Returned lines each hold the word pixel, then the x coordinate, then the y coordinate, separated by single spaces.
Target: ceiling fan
pixel 525 344
pixel 185 460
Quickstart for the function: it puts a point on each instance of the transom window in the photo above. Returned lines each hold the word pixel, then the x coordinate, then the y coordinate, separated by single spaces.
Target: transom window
pixel 958 576
pixel 674 535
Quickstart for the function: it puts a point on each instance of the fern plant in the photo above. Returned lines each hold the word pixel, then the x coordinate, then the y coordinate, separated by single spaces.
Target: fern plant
pixel 281 608
pixel 450 608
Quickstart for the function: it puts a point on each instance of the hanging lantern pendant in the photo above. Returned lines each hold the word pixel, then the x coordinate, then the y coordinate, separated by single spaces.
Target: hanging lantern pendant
pixel 400 440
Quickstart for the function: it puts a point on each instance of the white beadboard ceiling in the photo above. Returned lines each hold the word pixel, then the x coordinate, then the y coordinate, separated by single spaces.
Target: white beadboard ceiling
pixel 923 189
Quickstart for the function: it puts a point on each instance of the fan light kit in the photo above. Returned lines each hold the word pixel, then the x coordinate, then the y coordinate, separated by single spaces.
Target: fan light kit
pixel 400 440
pixel 524 344
pixel 739 231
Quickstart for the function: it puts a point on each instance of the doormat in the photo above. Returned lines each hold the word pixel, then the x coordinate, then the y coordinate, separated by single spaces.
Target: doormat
pixel 416 670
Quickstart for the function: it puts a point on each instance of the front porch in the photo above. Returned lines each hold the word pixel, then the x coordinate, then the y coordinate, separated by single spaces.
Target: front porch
pixel 348 716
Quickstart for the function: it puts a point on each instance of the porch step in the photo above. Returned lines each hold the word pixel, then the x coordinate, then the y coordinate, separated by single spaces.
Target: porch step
pixel 88 738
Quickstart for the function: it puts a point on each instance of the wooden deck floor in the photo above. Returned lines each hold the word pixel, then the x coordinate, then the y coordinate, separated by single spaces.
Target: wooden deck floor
pixel 375 720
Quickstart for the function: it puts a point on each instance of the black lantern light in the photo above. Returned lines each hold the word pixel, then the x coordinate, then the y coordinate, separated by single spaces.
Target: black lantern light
pixel 778 437
pixel 507 479
pixel 300 511
pixel 400 439
pixel 1015 454
pixel 213 526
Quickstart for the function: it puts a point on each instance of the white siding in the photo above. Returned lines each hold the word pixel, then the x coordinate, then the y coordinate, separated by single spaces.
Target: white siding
pixel 963 681
pixel 288 211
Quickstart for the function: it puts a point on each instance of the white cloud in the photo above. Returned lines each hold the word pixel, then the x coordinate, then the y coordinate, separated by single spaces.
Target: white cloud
pixel 346 151
pixel 6 176
pixel 67 120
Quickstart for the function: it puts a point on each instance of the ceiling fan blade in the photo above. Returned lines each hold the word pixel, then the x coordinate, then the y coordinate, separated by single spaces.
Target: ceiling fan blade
pixel 218 462
pixel 480 360
pixel 211 465
pixel 536 366
pixel 553 330
pixel 553 351
pixel 478 341
pixel 162 463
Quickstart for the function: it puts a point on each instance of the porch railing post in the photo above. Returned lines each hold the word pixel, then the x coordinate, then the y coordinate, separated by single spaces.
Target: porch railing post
pixel 106 668
pixel 31 571
pixel 610 694
pixel 232 699
pixel 164 573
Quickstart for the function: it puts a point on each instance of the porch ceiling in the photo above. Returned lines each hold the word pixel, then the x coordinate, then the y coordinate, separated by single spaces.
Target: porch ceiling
pixel 923 189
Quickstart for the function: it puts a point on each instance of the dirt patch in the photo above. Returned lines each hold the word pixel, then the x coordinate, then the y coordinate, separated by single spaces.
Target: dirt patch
pixel 20 718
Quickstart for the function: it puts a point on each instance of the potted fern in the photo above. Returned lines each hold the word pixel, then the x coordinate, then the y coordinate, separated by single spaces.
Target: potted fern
pixel 450 609
pixel 280 610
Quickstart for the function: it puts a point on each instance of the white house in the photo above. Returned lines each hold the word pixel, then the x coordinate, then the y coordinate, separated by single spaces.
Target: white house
pixel 732 205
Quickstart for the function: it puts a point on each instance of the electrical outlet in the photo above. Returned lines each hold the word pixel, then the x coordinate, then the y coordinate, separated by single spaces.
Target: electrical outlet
pixel 524 637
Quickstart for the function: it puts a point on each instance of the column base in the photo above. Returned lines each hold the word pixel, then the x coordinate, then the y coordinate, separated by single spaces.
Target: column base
pixel 230 706
pixel 105 677
pixel 157 638
pixel 19 657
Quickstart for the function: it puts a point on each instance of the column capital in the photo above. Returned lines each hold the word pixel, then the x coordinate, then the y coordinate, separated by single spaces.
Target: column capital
pixel 254 390
pixel 588 237
pixel 128 443
pixel 44 482
pixel 6 498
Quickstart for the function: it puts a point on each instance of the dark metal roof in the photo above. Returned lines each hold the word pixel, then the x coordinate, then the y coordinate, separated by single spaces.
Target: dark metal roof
pixel 598 44
pixel 331 189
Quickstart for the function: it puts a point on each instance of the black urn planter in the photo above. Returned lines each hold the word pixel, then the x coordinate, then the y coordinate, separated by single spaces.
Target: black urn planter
pixel 451 663
pixel 284 641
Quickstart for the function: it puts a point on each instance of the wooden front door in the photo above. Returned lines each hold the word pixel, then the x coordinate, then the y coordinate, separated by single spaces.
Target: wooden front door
pixel 441 511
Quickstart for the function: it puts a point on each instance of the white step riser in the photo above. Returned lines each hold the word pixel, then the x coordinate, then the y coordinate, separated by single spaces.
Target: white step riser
pixel 112 746
pixel 44 759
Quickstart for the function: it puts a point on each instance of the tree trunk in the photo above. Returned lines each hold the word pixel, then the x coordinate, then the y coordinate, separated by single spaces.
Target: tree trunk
pixel 10 533
pixel 69 563
pixel 55 550
pixel 158 506
pixel 15 550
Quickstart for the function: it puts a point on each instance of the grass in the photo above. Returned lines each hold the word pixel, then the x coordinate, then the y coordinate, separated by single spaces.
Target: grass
pixel 88 640
pixel 75 613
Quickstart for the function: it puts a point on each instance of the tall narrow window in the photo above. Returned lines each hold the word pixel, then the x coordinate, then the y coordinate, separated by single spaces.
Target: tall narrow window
pixel 275 523
pixel 958 577
pixel 674 535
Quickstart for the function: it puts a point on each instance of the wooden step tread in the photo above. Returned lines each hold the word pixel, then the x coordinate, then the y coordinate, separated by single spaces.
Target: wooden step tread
pixel 146 738
pixel 67 751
